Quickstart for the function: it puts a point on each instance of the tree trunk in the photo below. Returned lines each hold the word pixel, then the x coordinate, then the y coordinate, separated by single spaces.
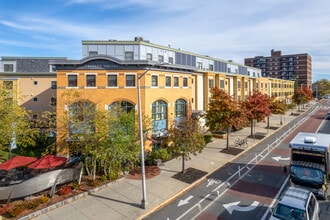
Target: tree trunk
pixel 94 169
pixel 251 127
pixel 183 165
pixel 268 122
pixel 86 166
pixel 281 120
pixel 228 133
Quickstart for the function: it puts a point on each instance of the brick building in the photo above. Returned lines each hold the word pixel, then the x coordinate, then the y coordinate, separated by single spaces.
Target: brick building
pixel 297 67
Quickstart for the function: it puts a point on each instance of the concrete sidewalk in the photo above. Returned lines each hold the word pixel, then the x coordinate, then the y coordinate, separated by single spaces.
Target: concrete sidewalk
pixel 122 199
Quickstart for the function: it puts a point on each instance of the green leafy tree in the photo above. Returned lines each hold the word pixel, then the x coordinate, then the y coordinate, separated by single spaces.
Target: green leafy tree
pixel 224 113
pixel 186 138
pixel 120 148
pixel 321 88
pixel 257 108
pixel 15 126
pixel 105 139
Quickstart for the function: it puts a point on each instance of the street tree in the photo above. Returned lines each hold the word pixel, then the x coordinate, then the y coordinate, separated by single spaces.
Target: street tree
pixel 224 113
pixel 186 138
pixel 257 108
pixel 301 96
pixel 105 139
pixel 15 124
pixel 120 148
pixel 277 107
pixel 321 88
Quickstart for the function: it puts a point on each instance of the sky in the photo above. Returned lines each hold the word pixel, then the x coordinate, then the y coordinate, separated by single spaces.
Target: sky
pixel 223 29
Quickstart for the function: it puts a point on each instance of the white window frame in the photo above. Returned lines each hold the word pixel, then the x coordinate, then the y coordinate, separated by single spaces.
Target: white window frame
pixel 171 81
pixel 178 86
pixel 90 74
pixel 112 87
pixel 152 86
pixel 135 83
pixel 72 87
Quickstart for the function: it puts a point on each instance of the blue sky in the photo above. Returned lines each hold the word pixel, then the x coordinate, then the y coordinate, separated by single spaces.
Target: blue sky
pixel 225 29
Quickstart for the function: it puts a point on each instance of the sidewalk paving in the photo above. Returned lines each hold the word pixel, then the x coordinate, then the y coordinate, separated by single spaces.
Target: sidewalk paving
pixel 121 199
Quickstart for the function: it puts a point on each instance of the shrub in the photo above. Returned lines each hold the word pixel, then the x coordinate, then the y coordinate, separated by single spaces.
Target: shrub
pixel 5 209
pixel 103 178
pixel 75 186
pixel 208 138
pixel 65 190
pixel 44 199
pixel 160 153
pixel 17 209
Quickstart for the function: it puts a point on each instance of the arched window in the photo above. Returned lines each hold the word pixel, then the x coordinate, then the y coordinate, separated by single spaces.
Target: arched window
pixel 81 118
pixel 121 105
pixel 159 116
pixel 180 108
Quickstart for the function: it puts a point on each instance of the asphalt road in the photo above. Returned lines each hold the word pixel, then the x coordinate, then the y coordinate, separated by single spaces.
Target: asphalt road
pixel 247 194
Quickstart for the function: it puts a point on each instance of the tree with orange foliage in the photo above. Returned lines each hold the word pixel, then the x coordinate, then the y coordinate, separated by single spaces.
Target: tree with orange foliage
pixel 277 107
pixel 302 96
pixel 224 113
pixel 257 107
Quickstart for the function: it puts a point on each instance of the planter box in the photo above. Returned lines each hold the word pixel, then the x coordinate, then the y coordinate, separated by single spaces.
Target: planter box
pixel 220 136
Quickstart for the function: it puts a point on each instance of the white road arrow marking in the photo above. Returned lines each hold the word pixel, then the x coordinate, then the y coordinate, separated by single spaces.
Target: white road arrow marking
pixel 280 158
pixel 185 201
pixel 234 206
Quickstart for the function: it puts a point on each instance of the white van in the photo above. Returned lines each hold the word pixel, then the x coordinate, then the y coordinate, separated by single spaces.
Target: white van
pixel 296 204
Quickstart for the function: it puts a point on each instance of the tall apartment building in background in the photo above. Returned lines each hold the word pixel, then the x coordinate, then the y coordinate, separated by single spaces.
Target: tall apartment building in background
pixel 297 67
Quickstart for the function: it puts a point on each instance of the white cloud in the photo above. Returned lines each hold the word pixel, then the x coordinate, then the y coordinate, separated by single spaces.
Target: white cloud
pixel 218 28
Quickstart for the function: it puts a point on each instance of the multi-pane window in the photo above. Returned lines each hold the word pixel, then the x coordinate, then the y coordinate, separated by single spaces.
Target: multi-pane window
pixel 239 84
pixel 81 115
pixel 112 80
pixel 185 82
pixel 168 81
pixel 161 58
pixel 129 55
pixel 170 59
pixel 246 85
pixel 159 116
pixel 91 80
pixel 116 107
pixel 199 65
pixel 154 80
pixel 222 84
pixel 130 80
pixel 72 80
pixel 211 84
pixel 53 85
pixel 53 101
pixel 211 67
pixel 8 68
pixel 180 108
pixel 7 85
pixel 35 99
pixel 176 81
pixel 149 56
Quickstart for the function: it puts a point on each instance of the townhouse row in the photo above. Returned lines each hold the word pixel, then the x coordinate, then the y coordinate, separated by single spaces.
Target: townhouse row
pixel 171 82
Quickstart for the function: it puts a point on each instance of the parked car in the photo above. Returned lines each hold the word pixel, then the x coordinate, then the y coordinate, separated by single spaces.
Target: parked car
pixel 296 204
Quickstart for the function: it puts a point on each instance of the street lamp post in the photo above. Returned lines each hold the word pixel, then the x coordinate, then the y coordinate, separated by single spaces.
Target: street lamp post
pixel 144 193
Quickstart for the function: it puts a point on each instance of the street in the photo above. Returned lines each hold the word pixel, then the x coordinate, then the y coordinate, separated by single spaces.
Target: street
pixel 246 188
